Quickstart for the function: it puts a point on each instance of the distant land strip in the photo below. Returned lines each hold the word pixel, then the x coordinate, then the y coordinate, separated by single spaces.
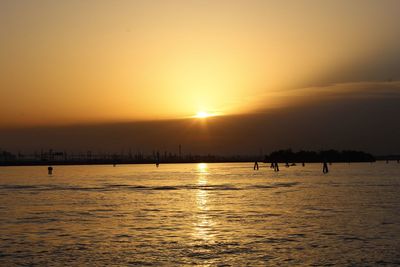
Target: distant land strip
pixel 281 156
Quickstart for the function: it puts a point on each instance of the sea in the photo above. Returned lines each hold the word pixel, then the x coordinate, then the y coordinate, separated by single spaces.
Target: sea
pixel 219 214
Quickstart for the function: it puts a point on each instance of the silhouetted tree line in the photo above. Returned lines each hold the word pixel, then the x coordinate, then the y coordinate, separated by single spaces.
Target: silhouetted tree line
pixel 288 156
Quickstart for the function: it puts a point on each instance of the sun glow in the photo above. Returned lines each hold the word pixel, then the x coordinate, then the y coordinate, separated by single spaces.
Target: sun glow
pixel 204 114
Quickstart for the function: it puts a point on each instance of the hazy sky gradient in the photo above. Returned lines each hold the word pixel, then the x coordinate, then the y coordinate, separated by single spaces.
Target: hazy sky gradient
pixel 66 62
pixel 306 74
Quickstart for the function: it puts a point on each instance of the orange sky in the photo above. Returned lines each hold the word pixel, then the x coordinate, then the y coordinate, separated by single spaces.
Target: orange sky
pixel 109 61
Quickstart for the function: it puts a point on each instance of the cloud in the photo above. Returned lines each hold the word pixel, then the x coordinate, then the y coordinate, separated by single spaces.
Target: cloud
pixel 336 92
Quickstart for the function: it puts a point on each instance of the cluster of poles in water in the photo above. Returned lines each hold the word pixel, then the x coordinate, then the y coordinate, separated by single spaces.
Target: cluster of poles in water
pixel 275 166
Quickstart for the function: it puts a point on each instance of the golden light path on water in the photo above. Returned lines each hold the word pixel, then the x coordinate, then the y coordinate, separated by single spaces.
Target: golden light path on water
pixel 200 215
pixel 203 228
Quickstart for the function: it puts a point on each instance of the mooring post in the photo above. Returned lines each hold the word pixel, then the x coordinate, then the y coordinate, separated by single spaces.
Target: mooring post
pixel 325 167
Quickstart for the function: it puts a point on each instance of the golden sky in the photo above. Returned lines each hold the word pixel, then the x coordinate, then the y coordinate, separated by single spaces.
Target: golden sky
pixel 64 62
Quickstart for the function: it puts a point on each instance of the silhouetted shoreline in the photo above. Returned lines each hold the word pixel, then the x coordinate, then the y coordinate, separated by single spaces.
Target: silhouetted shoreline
pixel 280 156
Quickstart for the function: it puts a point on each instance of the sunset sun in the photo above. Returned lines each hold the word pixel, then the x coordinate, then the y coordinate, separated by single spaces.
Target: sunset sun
pixel 202 115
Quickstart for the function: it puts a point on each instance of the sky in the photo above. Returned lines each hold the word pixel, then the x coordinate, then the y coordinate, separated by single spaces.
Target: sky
pixel 302 74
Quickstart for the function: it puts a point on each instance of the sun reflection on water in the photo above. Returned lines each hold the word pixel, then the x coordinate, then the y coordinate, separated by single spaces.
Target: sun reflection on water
pixel 202 168
pixel 203 226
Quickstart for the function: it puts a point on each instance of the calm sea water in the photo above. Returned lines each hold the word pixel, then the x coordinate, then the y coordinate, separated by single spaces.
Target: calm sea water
pixel 200 214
